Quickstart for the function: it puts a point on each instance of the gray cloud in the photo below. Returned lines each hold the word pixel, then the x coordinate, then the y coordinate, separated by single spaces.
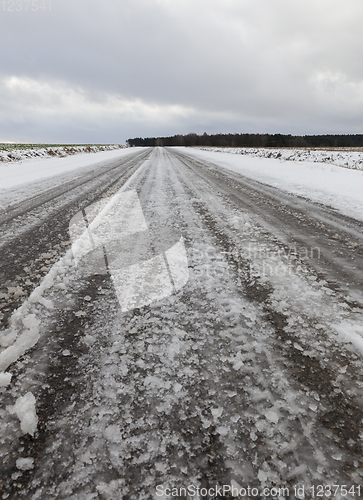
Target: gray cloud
pixel 91 71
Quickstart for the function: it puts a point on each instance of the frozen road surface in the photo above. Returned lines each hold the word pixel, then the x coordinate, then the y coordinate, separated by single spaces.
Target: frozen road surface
pixel 172 328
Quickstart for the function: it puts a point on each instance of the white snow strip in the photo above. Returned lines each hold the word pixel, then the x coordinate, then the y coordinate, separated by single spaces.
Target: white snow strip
pixel 24 408
pixel 28 337
pixel 17 340
pixel 25 341
pixel 349 332
pixel 16 152
pixel 178 264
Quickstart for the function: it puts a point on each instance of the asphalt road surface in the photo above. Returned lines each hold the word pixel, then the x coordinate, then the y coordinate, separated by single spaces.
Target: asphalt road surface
pixel 234 364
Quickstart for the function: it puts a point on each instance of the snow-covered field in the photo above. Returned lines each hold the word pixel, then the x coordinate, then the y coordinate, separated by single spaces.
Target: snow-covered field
pixel 340 157
pixel 13 153
pixel 315 175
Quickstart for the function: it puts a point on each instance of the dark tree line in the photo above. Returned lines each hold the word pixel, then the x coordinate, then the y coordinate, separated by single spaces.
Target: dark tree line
pixel 252 140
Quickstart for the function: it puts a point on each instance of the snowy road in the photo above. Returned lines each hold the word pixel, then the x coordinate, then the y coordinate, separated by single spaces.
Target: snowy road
pixel 247 375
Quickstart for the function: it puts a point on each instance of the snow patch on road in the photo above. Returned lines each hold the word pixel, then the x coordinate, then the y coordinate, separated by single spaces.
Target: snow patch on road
pixel 350 332
pixel 25 463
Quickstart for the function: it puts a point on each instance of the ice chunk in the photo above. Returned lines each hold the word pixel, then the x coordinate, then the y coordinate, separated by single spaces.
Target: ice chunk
pixel 222 430
pixel 238 364
pixel 262 476
pixel 217 412
pixel 17 291
pixel 24 342
pixel 25 463
pixel 272 416
pixel 30 321
pixel 177 387
pixel 5 379
pixel 80 314
pixel 37 296
pixel 9 338
pixel 113 434
pixel 110 490
pixel 24 408
pixel 89 340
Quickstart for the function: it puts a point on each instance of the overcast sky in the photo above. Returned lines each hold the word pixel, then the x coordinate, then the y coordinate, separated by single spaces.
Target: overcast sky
pixel 101 71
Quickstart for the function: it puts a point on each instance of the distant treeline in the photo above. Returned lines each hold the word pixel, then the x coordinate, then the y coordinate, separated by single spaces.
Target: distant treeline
pixel 252 141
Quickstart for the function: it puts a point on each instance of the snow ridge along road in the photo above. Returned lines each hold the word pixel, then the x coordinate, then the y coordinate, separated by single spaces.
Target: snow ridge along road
pixel 249 375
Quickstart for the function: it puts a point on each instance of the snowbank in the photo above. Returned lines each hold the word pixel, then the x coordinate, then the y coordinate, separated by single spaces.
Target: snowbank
pixel 13 154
